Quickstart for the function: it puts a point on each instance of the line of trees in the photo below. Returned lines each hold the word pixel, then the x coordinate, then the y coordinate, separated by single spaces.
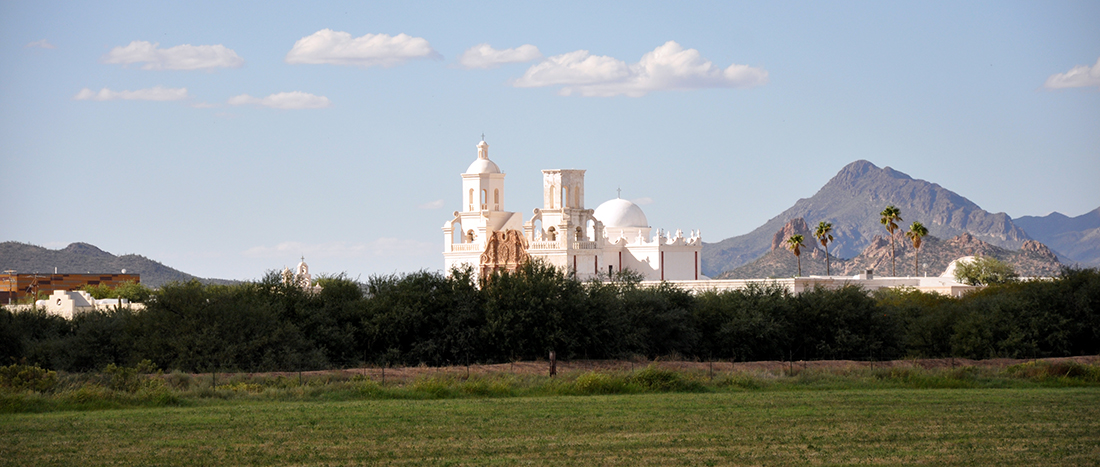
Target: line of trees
pixel 890 216
pixel 433 319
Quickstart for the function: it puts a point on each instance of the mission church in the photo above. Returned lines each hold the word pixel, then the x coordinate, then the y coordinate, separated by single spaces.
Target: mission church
pixel 589 243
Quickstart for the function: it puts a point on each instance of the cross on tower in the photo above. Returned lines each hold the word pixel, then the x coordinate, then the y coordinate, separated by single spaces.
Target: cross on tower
pixel 483 136
pixel 619 192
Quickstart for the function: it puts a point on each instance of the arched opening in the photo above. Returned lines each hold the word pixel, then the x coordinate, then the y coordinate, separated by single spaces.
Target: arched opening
pixel 484 199
pixel 456 232
pixel 538 234
pixel 579 233
pixel 469 236
pixel 496 199
pixel 591 230
pixel 552 233
pixel 471 202
pixel 565 197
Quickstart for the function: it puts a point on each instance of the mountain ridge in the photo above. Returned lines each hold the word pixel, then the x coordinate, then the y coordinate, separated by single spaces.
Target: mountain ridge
pixel 81 258
pixel 1031 259
pixel 1075 239
pixel 852 200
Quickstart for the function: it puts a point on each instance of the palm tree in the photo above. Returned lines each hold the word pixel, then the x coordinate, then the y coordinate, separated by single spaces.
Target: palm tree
pixel 823 235
pixel 794 243
pixel 890 216
pixel 916 232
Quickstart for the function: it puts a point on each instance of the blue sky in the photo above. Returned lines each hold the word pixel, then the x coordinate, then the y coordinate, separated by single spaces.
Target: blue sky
pixel 226 139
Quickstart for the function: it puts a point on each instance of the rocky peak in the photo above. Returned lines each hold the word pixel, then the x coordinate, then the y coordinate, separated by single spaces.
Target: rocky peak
pixel 1037 248
pixel 793 226
pixel 84 249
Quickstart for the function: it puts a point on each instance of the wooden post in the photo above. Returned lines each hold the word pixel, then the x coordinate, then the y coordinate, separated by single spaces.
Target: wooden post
pixel 553 364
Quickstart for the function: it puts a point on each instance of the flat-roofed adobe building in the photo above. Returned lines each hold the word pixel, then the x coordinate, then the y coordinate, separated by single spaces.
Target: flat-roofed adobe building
pixel 17 286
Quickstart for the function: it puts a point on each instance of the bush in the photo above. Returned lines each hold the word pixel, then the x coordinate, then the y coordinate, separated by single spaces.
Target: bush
pixel 1046 371
pixel 656 379
pixel 27 377
pixel 598 383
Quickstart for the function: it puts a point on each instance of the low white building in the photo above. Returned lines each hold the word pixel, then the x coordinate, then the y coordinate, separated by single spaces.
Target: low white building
pixel 69 303
pixel 563 232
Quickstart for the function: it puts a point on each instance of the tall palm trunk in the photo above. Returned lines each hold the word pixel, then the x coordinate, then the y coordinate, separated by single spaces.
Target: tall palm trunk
pixel 893 269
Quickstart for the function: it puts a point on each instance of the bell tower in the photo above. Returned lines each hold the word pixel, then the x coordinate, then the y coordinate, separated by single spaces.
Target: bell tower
pixel 482 184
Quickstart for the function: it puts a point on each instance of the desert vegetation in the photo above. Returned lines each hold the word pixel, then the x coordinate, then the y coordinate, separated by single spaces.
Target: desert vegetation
pixel 430 319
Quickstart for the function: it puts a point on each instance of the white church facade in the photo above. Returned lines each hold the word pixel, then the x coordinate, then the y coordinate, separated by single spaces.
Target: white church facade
pixel 589 243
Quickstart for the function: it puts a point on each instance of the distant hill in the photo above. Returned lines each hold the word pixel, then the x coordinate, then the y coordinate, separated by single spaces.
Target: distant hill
pixel 1075 239
pixel 82 258
pixel 1031 259
pixel 852 200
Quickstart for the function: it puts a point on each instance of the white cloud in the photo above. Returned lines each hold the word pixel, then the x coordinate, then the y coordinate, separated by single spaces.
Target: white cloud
pixel 668 67
pixel 284 100
pixel 339 48
pixel 382 247
pixel 180 57
pixel 484 56
pixel 432 205
pixel 44 44
pixel 157 93
pixel 1081 76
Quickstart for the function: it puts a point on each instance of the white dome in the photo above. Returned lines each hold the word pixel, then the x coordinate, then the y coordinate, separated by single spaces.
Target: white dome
pixel 483 166
pixel 619 213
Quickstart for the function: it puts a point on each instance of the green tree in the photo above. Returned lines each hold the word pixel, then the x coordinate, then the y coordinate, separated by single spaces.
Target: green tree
pixel 890 217
pixel 984 270
pixel 794 244
pixel 130 290
pixel 824 236
pixel 916 233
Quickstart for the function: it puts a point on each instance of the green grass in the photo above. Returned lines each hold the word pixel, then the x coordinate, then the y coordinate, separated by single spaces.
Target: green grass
pixel 1028 426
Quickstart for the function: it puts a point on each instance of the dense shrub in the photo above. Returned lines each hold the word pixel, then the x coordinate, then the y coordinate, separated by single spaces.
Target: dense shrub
pixel 435 319
pixel 27 377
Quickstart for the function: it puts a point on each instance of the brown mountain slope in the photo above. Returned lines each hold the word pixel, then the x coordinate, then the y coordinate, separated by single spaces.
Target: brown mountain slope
pixel 852 200
pixel 1032 259
pixel 84 258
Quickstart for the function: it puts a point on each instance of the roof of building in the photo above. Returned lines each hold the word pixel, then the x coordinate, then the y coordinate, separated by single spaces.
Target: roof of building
pixel 618 213
pixel 482 165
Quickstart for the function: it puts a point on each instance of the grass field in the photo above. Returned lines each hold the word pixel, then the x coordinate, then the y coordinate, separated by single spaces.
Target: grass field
pixel 1014 426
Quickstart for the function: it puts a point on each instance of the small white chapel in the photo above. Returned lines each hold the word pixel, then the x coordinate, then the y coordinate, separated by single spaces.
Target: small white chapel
pixel 589 243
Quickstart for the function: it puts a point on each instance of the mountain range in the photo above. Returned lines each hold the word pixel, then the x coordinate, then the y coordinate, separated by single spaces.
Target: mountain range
pixel 81 258
pixel 1032 259
pixel 1076 239
pixel 852 200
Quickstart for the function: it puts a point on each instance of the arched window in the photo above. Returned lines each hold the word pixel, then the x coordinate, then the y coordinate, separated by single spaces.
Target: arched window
pixel 552 233
pixel 471 199
pixel 484 198
pixel 580 234
pixel 565 197
pixel 496 199
pixel 456 235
